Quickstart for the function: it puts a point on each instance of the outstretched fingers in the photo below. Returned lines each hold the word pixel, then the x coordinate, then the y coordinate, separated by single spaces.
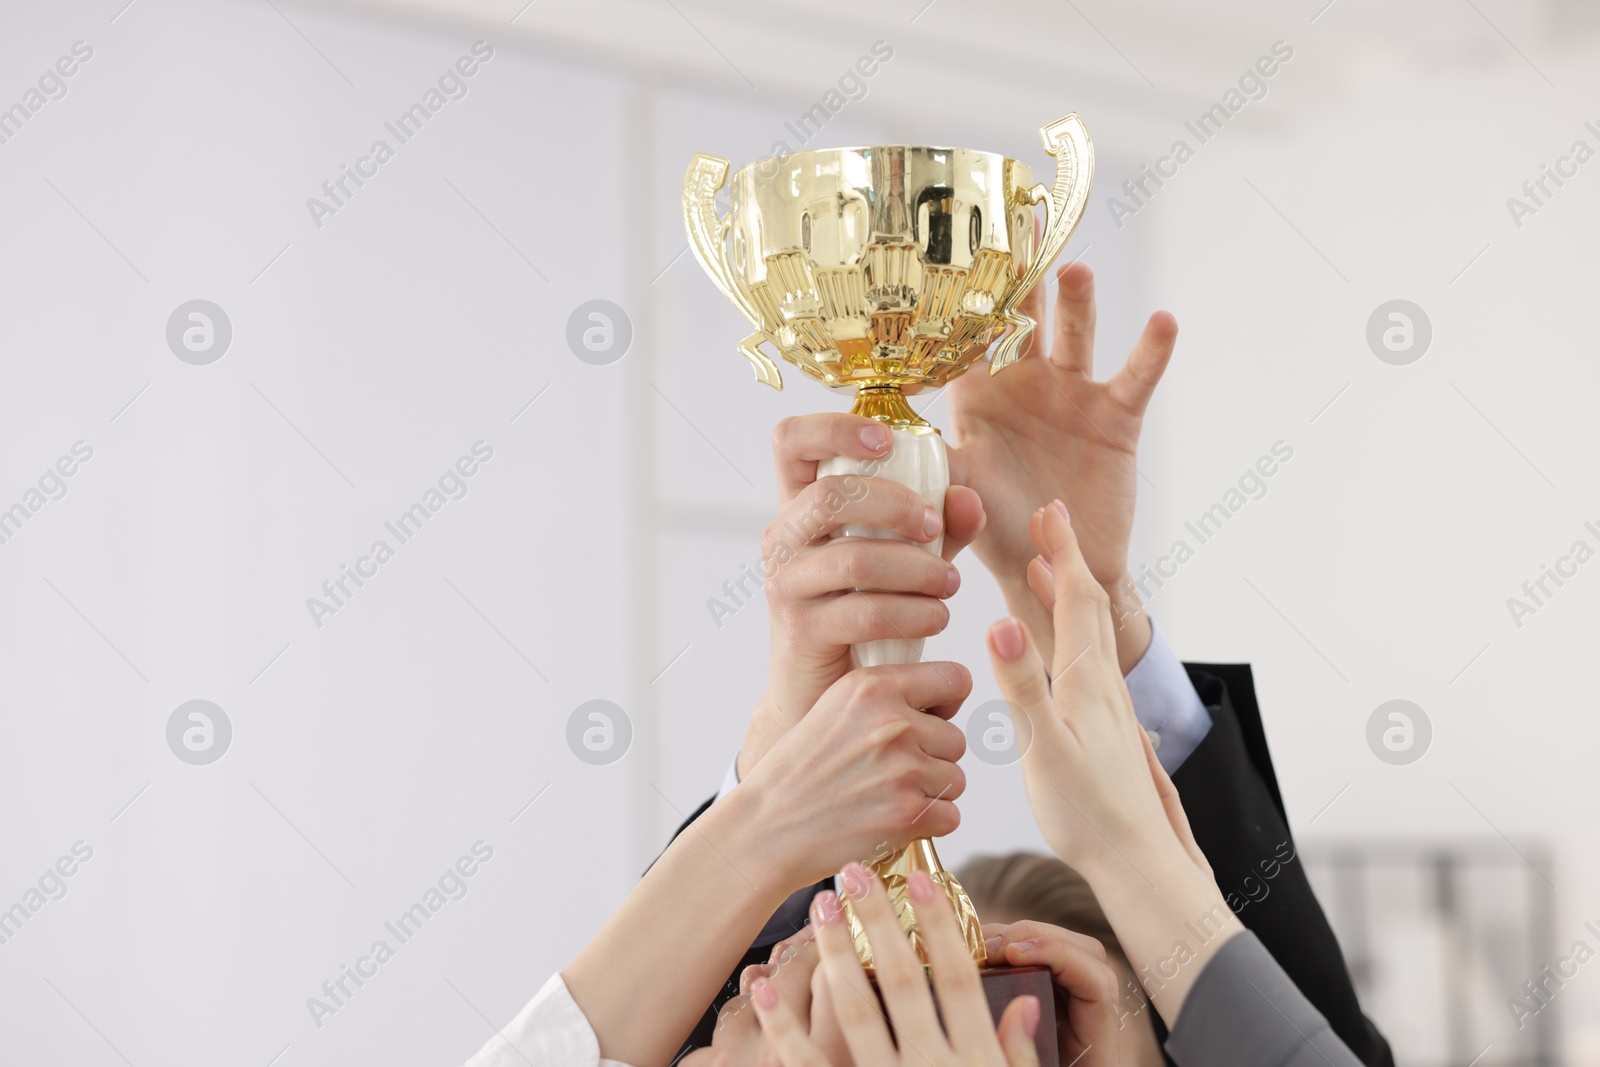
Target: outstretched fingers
pixel 1135 382
pixel 1073 347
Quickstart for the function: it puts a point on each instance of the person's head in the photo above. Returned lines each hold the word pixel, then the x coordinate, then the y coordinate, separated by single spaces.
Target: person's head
pixel 1028 885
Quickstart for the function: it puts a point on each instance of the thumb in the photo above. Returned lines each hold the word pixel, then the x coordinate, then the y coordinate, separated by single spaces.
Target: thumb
pixel 1177 818
pixel 964 520
pixel 1017 1027
pixel 1017 667
pixel 1025 686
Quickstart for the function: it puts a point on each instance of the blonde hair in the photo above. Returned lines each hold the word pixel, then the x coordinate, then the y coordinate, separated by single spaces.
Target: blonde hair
pixel 1027 885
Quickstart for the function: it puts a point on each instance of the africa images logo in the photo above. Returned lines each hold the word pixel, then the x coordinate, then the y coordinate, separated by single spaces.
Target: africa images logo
pixel 453 484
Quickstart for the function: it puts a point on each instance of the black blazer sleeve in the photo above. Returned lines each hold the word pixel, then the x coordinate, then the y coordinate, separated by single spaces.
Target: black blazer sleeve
pixel 1230 793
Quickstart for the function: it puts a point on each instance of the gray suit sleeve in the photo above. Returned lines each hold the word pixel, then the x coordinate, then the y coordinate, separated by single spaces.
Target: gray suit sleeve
pixel 1243 1011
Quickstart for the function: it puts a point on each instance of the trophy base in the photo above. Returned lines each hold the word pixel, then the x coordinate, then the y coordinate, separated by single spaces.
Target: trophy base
pixel 1002 985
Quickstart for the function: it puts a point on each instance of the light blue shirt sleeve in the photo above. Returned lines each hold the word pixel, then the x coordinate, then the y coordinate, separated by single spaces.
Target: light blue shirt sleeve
pixel 1165 703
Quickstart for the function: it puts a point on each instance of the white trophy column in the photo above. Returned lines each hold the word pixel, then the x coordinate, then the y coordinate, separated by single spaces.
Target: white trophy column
pixel 917 461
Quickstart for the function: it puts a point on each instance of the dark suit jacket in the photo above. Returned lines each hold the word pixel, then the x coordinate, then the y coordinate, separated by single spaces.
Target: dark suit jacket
pixel 1230 793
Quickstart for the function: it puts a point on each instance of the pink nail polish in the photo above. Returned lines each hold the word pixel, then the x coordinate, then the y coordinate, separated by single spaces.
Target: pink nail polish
pixel 952 582
pixel 749 975
pixel 766 998
pixel 875 438
pixel 931 524
pixel 1030 1014
pixel 921 887
pixel 1062 508
pixel 825 910
pixel 1008 639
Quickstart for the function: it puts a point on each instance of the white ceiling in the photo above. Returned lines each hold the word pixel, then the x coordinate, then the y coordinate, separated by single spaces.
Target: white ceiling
pixel 1132 66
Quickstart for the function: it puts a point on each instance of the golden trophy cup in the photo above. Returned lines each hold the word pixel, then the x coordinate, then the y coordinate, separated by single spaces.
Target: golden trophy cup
pixel 882 269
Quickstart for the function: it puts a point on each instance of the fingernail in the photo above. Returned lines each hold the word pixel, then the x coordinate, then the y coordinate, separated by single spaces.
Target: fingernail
pixel 854 877
pixel 952 582
pixel 1047 568
pixel 875 437
pixel 921 887
pixel 992 945
pixel 1026 946
pixel 1030 1012
pixel 825 910
pixel 931 524
pixel 1057 527
pixel 1008 641
pixel 750 974
pixel 766 998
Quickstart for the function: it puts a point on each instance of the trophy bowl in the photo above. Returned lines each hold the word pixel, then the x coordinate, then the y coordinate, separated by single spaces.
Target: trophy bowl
pixel 889 267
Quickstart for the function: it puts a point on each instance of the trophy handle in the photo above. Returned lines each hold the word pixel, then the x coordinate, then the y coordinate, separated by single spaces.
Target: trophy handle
pixel 708 236
pixel 1068 141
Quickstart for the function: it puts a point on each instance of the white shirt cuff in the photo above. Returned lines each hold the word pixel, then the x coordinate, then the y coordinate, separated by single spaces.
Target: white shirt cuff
pixel 1165 703
pixel 730 779
pixel 551 1030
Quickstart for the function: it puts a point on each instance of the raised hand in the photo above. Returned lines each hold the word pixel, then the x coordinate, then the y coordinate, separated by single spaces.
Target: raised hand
pixel 1101 799
pixel 1045 429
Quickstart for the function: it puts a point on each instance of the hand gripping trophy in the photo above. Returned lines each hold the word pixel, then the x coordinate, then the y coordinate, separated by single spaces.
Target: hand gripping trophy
pixel 882 269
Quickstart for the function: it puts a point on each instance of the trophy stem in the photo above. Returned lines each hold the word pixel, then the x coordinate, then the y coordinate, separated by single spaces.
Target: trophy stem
pixel 894 871
pixel 887 403
pixel 918 461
